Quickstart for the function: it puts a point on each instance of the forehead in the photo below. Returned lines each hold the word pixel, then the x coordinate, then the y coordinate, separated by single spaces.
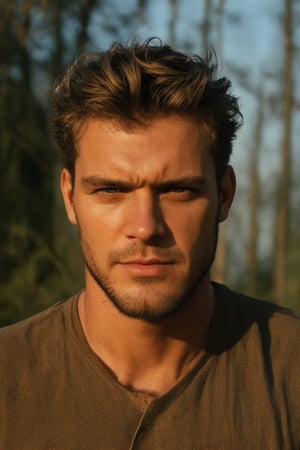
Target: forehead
pixel 170 146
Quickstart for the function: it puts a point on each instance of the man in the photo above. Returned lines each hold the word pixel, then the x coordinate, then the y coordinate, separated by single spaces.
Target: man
pixel 151 354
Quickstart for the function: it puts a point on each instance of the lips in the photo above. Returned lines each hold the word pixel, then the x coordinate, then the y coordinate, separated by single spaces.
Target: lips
pixel 146 261
pixel 146 267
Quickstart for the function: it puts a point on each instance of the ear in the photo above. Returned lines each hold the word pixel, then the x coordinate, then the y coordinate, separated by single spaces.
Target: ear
pixel 226 193
pixel 66 186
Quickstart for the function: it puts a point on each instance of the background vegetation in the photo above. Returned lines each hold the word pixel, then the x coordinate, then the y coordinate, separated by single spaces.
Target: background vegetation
pixel 258 46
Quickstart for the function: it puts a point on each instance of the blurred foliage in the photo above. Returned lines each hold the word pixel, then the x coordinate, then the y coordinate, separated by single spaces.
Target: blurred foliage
pixel 40 260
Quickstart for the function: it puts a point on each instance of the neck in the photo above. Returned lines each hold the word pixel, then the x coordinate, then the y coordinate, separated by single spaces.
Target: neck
pixel 142 356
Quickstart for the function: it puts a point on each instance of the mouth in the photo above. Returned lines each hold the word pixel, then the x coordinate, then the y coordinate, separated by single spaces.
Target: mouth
pixel 146 262
pixel 146 267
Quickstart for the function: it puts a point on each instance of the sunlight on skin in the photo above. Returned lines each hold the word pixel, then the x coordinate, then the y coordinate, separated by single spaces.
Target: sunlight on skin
pixel 147 209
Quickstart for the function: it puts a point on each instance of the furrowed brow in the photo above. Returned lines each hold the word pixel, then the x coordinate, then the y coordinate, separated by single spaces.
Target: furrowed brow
pixel 185 181
pixel 94 181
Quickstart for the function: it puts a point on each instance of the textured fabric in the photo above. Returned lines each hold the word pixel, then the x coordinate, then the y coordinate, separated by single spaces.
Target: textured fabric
pixel 242 394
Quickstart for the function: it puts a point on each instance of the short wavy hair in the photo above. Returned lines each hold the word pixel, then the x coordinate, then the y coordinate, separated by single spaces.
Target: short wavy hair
pixel 136 83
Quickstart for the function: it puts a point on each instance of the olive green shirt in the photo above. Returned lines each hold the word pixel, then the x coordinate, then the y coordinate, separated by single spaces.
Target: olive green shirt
pixel 244 393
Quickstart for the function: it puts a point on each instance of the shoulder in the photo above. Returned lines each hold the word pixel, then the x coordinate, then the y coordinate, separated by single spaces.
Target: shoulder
pixel 242 306
pixel 256 342
pixel 34 332
pixel 243 317
pixel 258 335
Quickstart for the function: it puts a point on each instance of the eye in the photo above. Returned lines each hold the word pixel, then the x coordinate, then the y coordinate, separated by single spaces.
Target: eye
pixel 109 190
pixel 178 189
pixel 108 194
pixel 113 189
pixel 179 192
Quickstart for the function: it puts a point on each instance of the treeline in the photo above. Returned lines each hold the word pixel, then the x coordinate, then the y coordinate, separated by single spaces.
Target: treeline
pixel 40 260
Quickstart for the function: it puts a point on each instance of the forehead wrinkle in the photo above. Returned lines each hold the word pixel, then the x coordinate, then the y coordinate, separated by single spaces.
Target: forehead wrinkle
pixel 139 173
pixel 150 161
pixel 94 181
pixel 134 172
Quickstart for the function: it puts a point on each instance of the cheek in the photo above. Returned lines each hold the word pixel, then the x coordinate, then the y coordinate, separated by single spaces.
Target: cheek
pixel 95 226
pixel 195 226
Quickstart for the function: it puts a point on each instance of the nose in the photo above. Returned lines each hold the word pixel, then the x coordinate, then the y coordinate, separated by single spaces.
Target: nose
pixel 145 220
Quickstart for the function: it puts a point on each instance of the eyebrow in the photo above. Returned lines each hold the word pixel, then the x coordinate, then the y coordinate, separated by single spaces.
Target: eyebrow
pixel 94 181
pixel 185 181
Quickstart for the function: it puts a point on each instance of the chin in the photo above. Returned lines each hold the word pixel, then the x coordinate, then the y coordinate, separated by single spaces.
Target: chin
pixel 148 304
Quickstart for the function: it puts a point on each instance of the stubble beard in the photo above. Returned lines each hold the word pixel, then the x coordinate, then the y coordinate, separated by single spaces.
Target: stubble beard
pixel 148 303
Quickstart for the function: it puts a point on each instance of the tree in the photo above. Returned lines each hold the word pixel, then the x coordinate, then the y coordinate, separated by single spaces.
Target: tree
pixel 206 24
pixel 254 193
pixel 33 269
pixel 280 275
pixel 173 19
pixel 220 9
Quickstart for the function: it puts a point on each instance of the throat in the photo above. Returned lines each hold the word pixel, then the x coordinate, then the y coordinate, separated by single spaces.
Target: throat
pixel 142 357
pixel 154 382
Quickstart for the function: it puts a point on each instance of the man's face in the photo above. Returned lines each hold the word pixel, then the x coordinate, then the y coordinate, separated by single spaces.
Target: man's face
pixel 147 207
